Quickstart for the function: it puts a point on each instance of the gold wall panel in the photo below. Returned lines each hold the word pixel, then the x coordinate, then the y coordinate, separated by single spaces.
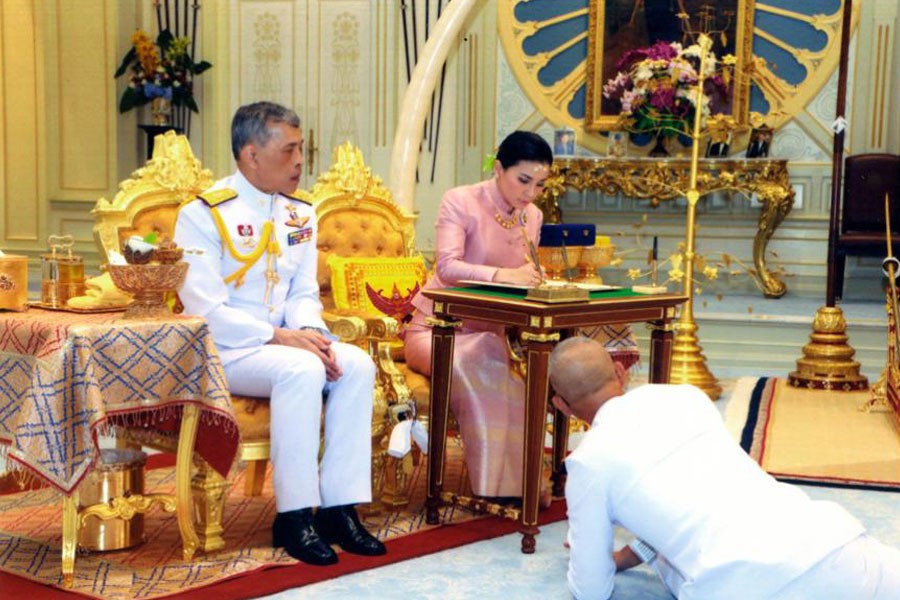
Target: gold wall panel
pixel 82 86
pixel 20 145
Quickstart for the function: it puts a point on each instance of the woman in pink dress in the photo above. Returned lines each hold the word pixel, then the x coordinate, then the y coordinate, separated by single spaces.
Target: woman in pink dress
pixel 480 237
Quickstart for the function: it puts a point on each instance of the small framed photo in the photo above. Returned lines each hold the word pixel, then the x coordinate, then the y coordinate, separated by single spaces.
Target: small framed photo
pixel 760 140
pixel 564 142
pixel 718 147
pixel 617 144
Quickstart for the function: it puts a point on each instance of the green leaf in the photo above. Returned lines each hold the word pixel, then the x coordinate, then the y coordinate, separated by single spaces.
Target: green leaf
pixel 201 66
pixel 164 40
pixel 130 98
pixel 191 104
pixel 130 57
pixel 151 237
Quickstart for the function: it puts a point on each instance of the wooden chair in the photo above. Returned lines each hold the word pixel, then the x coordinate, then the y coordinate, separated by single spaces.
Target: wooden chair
pixel 862 232
pixel 148 202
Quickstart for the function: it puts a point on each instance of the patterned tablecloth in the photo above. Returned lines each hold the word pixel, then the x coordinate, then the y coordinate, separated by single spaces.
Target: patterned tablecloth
pixel 64 377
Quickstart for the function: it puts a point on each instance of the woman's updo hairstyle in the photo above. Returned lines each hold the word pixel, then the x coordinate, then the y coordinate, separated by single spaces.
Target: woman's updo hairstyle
pixel 524 145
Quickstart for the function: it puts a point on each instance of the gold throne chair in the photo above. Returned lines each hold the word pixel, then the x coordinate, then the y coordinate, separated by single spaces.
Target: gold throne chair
pixel 369 268
pixel 148 202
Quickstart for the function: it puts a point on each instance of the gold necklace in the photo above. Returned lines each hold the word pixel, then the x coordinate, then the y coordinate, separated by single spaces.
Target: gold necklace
pixel 510 222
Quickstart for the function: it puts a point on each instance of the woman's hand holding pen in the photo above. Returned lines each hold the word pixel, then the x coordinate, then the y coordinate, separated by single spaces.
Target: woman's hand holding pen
pixel 527 274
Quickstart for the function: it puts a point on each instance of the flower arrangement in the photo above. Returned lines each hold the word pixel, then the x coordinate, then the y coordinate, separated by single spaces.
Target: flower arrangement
pixel 656 88
pixel 163 69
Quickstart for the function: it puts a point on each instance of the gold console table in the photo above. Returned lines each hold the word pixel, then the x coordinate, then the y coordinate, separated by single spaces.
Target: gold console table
pixel 659 179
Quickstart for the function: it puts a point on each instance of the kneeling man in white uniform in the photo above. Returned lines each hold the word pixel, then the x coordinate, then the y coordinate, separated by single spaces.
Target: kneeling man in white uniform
pixel 251 244
pixel 659 461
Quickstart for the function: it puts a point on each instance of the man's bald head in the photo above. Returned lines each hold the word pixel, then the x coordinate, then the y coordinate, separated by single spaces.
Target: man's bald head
pixel 579 367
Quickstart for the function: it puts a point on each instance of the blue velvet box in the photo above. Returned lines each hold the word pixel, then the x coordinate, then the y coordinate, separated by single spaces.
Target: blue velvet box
pixel 568 234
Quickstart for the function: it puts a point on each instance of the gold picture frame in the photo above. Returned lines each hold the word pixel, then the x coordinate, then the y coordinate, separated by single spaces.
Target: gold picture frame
pixel 616 26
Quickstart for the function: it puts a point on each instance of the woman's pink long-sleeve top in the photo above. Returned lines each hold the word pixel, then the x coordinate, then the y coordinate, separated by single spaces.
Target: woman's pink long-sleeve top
pixel 471 244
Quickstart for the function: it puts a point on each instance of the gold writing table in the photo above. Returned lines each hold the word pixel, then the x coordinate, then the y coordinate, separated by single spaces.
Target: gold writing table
pixel 65 378
pixel 540 325
pixel 659 179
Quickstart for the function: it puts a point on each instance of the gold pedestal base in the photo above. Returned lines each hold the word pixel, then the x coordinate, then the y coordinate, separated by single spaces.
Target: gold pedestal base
pixel 827 362
pixel 689 364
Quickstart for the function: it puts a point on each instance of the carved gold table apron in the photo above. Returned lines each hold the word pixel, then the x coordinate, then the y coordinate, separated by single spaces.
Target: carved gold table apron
pixel 666 178
pixel 541 326
pixel 65 378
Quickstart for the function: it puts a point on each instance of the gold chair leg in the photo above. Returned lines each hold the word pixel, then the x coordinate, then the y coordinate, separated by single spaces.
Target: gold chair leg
pixel 209 490
pixel 183 459
pixel 255 477
pixel 69 537
pixel 396 480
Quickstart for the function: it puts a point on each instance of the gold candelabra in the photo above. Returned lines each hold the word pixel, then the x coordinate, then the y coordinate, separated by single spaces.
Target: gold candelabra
pixel 688 362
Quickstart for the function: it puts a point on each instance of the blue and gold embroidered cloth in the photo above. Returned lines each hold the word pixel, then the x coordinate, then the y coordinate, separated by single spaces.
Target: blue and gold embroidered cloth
pixel 64 377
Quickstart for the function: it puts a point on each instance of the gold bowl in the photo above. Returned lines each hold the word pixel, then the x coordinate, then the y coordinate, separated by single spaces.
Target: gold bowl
pixel 150 285
pixel 558 261
pixel 591 259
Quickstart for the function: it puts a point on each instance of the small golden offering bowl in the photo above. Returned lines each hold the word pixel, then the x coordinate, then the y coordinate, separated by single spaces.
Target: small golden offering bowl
pixel 556 260
pixel 592 258
pixel 149 284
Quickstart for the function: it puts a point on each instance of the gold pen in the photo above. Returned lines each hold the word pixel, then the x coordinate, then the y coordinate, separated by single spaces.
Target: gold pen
pixel 533 255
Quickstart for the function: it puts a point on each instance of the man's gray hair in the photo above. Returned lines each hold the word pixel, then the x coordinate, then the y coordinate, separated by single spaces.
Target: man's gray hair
pixel 251 124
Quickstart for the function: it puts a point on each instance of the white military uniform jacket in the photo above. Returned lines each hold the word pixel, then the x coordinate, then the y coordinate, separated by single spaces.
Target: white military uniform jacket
pixel 242 317
pixel 660 462
pixel 253 268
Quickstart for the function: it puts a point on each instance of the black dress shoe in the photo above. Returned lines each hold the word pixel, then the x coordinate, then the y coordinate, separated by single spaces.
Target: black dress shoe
pixel 294 532
pixel 340 525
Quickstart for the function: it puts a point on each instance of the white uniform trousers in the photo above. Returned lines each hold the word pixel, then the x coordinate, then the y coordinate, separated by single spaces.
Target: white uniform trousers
pixel 294 380
pixel 862 569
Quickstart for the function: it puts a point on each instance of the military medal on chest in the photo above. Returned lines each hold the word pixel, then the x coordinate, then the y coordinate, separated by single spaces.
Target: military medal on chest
pixel 302 233
pixel 245 235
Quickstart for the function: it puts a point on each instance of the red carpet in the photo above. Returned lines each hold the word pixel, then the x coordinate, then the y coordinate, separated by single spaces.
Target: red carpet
pixel 248 567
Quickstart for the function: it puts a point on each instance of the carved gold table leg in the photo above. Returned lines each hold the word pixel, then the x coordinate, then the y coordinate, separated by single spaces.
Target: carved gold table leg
pixel 69 537
pixel 183 459
pixel 778 200
pixel 209 490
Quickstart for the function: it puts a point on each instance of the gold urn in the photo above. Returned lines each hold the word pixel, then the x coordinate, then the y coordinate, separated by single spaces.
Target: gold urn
pixel 13 282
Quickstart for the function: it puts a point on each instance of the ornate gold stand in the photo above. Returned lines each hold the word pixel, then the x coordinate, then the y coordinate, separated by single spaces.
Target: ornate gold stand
pixel 688 362
pixel 127 507
pixel 827 362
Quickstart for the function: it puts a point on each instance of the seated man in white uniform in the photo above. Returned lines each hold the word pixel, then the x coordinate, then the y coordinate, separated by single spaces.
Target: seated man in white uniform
pixel 251 244
pixel 659 462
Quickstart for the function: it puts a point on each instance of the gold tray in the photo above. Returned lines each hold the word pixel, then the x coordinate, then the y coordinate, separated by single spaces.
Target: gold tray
pixel 99 309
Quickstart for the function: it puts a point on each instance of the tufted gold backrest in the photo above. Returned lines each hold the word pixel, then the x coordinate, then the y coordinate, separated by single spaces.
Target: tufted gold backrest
pixel 149 200
pixel 356 216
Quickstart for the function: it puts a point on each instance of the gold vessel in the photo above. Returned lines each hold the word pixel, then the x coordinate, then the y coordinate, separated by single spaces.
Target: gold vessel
pixel 150 285
pixel 119 474
pixel 62 273
pixel 13 282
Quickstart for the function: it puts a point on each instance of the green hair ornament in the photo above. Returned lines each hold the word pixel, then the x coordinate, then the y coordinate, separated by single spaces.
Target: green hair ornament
pixel 488 163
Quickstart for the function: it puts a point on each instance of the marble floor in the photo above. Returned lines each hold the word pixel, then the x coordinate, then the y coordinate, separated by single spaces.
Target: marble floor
pixel 496 569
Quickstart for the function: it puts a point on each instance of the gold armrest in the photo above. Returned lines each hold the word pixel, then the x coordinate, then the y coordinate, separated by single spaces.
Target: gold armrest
pixel 381 327
pixel 350 328
pixel 378 333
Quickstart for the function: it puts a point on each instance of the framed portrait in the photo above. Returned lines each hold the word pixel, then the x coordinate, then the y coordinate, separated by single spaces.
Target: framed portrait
pixel 760 140
pixel 617 26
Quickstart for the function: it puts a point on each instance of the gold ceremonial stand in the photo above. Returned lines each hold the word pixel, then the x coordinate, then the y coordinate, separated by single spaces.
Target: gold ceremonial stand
pixel 688 362
pixel 827 362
